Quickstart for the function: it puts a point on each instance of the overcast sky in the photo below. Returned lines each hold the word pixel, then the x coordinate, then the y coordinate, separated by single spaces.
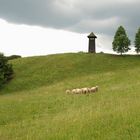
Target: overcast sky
pixel 27 25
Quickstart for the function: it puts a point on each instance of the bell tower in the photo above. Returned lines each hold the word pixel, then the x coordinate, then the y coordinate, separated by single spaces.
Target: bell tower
pixel 92 46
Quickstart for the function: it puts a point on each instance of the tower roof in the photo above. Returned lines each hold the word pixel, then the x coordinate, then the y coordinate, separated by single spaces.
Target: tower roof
pixel 92 35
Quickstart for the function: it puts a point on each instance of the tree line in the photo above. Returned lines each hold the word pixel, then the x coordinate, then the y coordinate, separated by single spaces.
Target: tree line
pixel 121 41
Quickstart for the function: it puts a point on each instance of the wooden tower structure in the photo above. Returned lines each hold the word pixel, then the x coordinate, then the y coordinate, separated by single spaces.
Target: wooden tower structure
pixel 92 45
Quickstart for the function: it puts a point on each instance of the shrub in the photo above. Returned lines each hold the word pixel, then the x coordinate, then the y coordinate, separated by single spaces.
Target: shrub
pixel 6 70
pixel 13 57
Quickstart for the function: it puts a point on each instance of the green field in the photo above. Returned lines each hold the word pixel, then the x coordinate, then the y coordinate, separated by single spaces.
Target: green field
pixel 34 105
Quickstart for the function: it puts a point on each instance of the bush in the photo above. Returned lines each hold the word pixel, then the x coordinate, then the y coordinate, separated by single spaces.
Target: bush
pixel 13 57
pixel 6 70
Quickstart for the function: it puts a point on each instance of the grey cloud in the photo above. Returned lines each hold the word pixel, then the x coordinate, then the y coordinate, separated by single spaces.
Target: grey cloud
pixel 36 12
pixel 74 15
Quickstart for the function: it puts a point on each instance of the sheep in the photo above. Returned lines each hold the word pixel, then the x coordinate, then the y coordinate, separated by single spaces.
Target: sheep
pixel 94 89
pixel 85 90
pixel 73 91
pixel 76 91
pixel 68 91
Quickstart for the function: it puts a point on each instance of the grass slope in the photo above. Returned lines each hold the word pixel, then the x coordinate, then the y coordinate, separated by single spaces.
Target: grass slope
pixel 34 106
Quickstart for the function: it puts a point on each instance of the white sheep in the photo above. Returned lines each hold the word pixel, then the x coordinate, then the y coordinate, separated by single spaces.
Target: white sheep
pixel 68 91
pixel 76 91
pixel 85 90
pixel 73 91
pixel 82 90
pixel 94 89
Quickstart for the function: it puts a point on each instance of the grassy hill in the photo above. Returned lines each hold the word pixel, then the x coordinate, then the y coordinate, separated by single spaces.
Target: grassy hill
pixel 34 105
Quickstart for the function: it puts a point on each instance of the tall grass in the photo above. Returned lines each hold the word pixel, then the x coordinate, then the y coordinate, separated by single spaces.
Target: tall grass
pixel 34 106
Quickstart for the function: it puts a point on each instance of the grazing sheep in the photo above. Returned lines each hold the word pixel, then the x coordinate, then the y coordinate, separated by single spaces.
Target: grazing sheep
pixel 68 91
pixel 73 91
pixel 76 91
pixel 94 89
pixel 85 90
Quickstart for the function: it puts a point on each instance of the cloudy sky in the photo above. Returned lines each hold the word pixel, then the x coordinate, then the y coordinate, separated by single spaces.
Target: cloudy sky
pixel 38 27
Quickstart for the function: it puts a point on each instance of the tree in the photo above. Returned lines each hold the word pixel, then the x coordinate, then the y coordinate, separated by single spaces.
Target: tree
pixel 121 42
pixel 137 41
pixel 6 71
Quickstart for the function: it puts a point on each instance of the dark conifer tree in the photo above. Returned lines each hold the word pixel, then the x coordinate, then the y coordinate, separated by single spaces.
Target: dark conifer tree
pixel 137 41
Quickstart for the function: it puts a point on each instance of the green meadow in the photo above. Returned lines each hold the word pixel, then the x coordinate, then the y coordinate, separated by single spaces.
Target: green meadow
pixel 34 105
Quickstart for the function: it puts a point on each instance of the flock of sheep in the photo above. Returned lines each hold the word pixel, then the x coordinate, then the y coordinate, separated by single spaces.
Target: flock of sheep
pixel 83 90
